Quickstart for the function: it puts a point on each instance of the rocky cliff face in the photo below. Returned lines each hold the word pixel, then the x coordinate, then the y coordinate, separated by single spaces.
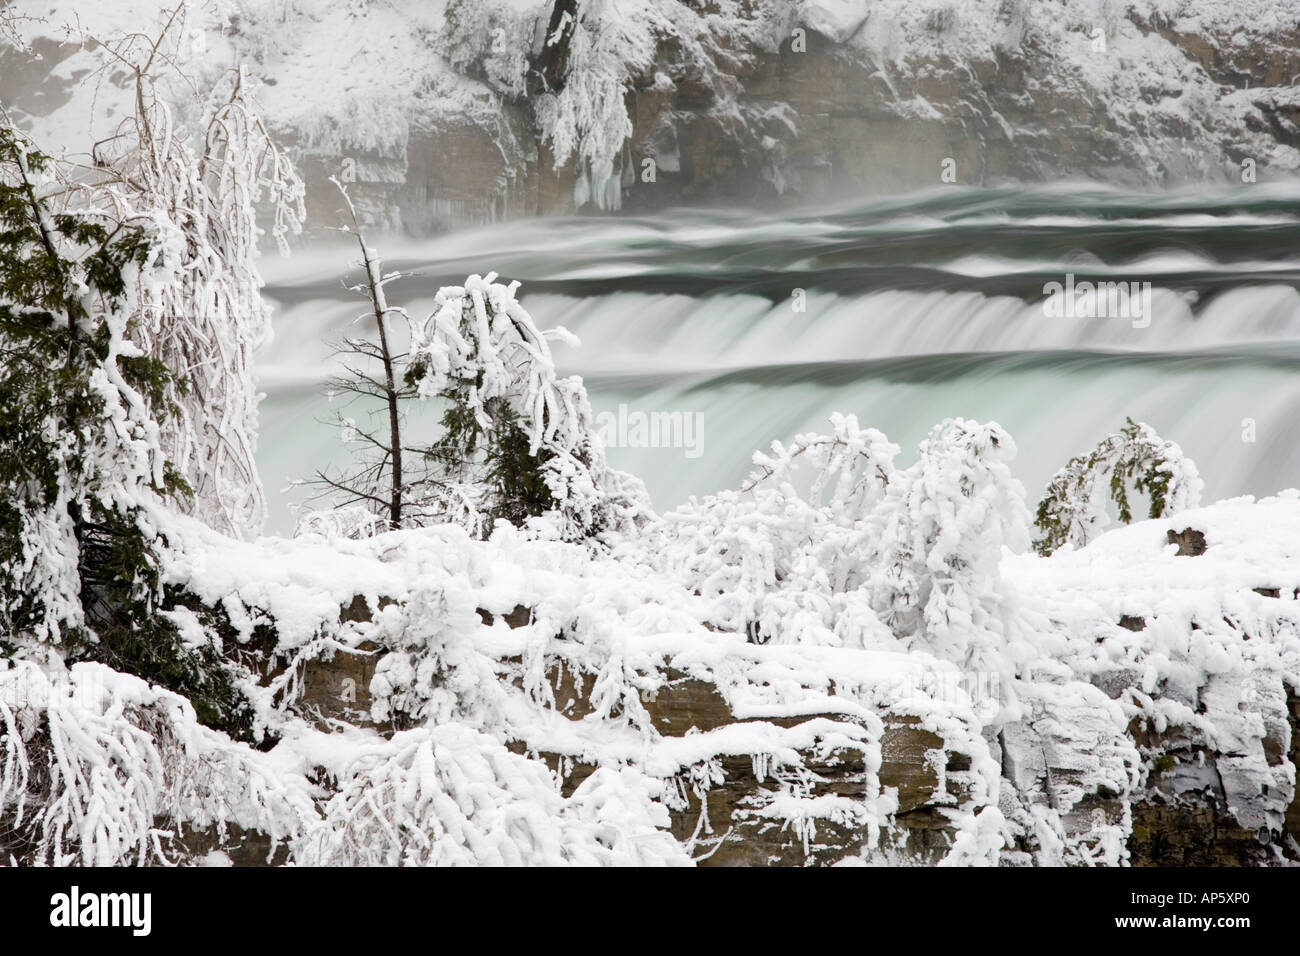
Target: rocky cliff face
pixel 475 112
pixel 817 755
pixel 890 99
pixel 1072 790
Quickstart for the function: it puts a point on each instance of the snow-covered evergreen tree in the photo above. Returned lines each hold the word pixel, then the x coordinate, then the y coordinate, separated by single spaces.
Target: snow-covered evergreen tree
pixel 85 476
pixel 90 756
pixel 1075 509
pixel 518 439
pixel 80 448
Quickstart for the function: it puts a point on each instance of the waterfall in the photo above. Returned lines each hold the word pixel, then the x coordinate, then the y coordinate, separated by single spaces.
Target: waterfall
pixel 902 311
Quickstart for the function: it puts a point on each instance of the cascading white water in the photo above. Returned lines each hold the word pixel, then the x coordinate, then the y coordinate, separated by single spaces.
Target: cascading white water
pixel 914 310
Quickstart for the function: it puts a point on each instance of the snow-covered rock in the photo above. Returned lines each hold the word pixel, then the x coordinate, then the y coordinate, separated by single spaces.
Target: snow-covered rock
pixel 1112 739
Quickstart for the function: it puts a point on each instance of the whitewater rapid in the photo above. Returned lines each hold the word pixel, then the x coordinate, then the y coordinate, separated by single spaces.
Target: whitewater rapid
pixel 903 311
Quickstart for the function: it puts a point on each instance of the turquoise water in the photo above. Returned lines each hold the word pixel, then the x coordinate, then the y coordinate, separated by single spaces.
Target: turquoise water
pixel 914 309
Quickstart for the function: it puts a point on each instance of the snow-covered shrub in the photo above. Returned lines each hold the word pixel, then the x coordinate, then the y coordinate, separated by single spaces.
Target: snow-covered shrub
pixel 98 768
pixel 769 557
pixel 448 795
pixel 945 522
pixel 433 673
pixel 1074 510
pixel 344 522
pixel 858 550
pixel 519 442
pixel 493 40
pixel 435 669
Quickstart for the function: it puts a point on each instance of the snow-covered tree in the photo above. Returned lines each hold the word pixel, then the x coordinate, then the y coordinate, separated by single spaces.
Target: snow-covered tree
pixel 604 43
pixel 575 63
pixel 98 768
pixel 1075 509
pixel 80 449
pixel 84 477
pixel 518 440
pixel 385 478
pixel 771 557
pixel 89 756
pixel 945 523
pixel 204 184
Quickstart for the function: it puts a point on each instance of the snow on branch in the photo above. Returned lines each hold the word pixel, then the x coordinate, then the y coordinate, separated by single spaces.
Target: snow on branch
pixel 849 550
pixel 202 185
pixel 446 795
pixel 519 439
pixel 91 759
pixel 1074 510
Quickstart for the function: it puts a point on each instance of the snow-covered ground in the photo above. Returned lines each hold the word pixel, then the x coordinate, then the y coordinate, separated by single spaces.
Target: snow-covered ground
pixel 1115 670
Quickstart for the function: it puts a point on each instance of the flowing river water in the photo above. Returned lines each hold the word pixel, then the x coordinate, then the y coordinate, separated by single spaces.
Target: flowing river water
pixel 903 311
